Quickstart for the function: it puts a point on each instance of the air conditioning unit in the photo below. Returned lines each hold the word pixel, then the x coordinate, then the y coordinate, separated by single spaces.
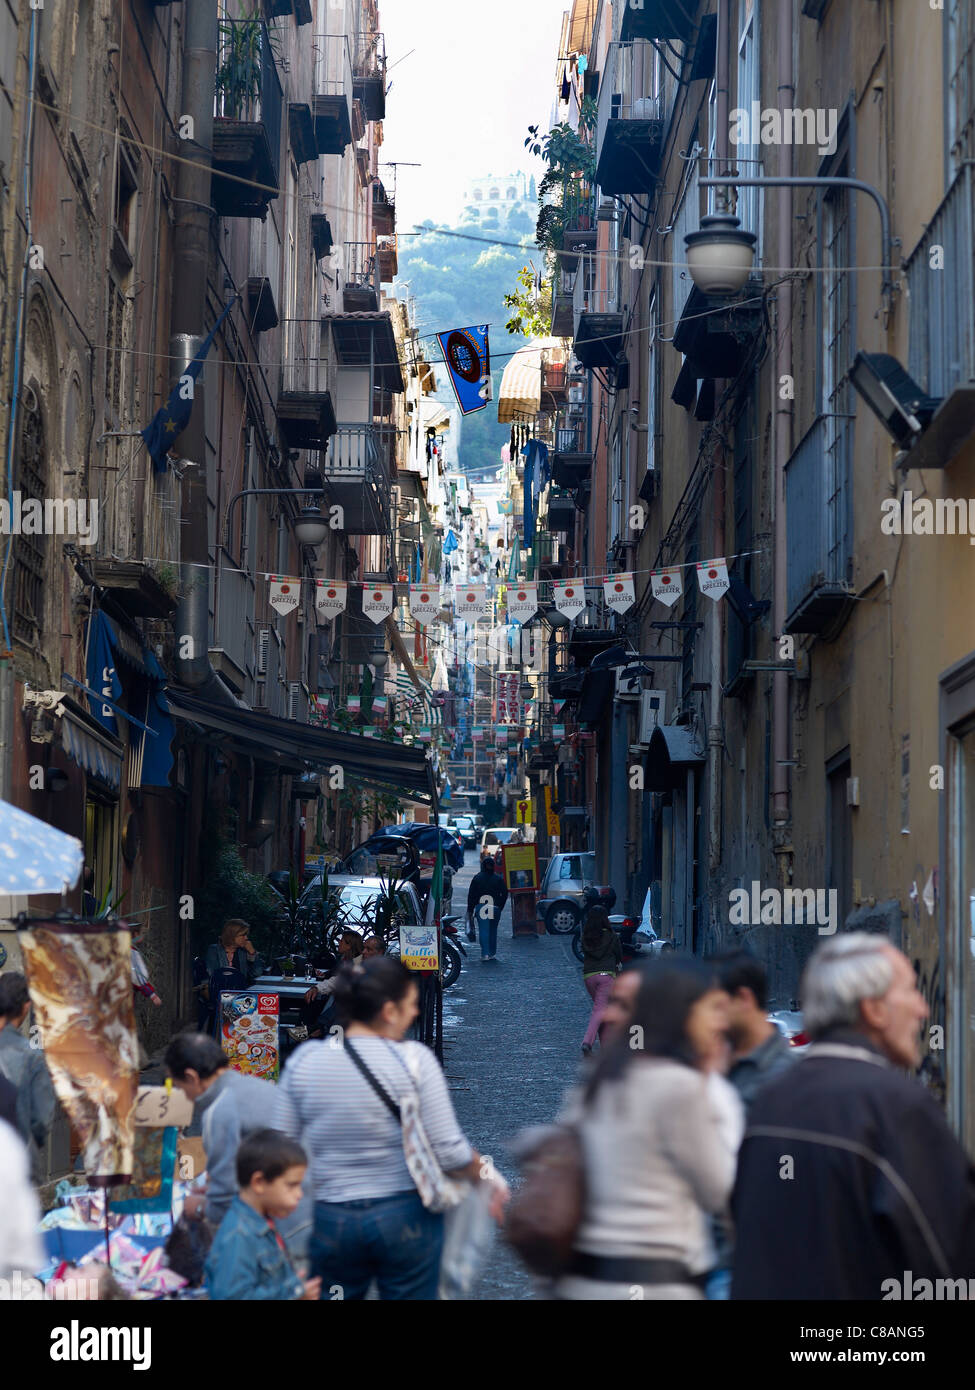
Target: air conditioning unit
pixel 653 704
pixel 294 695
pixel 628 685
pixel 263 642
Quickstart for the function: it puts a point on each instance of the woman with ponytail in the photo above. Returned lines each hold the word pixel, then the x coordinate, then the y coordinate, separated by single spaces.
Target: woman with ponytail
pixel 339 1099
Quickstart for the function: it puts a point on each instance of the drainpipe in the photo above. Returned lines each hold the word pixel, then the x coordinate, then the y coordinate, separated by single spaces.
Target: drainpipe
pixel 190 262
pixel 782 425
pixel 715 726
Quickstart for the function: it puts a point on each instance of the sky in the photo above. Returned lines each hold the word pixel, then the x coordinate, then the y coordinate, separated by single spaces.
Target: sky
pixel 482 72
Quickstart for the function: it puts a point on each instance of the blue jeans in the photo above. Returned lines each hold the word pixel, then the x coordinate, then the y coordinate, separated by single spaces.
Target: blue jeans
pixel 393 1240
pixel 488 932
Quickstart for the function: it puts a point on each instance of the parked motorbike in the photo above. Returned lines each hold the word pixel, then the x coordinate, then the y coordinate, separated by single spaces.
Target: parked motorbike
pixel 636 944
pixel 453 949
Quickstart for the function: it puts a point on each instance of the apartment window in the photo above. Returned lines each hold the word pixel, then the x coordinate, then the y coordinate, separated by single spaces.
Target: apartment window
pixel 30 550
pixel 741 635
pixel 653 383
pixel 748 155
pixel 960 81
pixel 836 403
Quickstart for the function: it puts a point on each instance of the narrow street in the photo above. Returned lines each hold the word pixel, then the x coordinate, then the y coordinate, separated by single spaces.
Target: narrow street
pixel 513 1031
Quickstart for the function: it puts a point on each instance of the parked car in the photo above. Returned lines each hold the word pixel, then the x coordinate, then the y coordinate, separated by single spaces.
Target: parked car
pixel 561 898
pixel 468 831
pixel 447 822
pixel 351 902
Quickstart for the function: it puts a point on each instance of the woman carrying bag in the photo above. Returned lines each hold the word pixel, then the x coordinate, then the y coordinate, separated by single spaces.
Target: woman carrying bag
pixel 375 1117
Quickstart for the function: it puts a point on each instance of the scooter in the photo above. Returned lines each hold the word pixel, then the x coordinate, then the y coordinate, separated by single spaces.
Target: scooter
pixel 453 949
pixel 636 945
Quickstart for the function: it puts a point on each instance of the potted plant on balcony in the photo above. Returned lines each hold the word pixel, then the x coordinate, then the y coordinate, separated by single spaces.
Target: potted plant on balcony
pixel 239 74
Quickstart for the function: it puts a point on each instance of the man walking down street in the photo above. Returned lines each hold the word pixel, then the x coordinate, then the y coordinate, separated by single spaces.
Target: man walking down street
pixel 24 1066
pixel 759 1051
pixel 849 1179
pixel 486 898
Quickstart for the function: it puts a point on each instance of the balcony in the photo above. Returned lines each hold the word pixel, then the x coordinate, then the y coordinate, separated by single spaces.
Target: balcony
pixel 716 333
pixel 572 456
pixel 321 235
pixel 659 19
pixel 818 527
pixel 598 338
pixel 367 340
pixel 369 81
pixel 561 512
pixel 630 126
pixel 301 132
pixel 942 326
pixel 383 210
pixel 553 384
pixel 548 558
pixel 332 93
pixel 562 319
pixel 262 311
pixel 579 227
pixel 359 278
pixel 306 416
pixel 247 121
pixel 357 469
pixel 388 260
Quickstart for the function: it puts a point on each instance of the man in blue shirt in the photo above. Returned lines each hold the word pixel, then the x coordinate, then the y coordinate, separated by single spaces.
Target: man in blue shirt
pixel 23 1065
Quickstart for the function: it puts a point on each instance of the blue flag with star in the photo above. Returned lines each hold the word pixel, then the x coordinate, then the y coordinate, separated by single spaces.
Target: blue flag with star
pixel 171 420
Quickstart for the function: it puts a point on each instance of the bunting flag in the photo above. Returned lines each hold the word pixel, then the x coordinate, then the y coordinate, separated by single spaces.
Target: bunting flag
pixel 477 734
pixel 377 602
pixel 569 597
pixel 468 359
pixel 354 704
pixel 558 732
pixel 523 602
pixel 379 703
pixel 171 419
pixel 424 602
pixel 285 594
pixel 470 601
pixel 330 597
pixel 712 578
pixel 667 586
pixel 618 589
pixel 505 506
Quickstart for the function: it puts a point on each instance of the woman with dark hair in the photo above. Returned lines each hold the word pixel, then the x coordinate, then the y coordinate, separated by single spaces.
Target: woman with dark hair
pixel 602 958
pixel 337 1099
pixel 660 1130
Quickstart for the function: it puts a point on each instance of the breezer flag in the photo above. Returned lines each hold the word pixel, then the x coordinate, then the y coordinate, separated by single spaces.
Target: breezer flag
pixel 618 589
pixel 171 419
pixel 329 597
pixel 667 586
pixel 424 602
pixel 570 598
pixel 522 602
pixel 468 359
pixel 712 578
pixel 470 600
pixel 285 594
pixel 377 601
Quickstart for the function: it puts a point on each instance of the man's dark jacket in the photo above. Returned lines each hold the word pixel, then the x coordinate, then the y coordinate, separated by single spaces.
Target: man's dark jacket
pixel 877 1184
pixel 486 885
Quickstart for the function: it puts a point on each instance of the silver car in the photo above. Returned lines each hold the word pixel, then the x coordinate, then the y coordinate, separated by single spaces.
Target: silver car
pixel 561 903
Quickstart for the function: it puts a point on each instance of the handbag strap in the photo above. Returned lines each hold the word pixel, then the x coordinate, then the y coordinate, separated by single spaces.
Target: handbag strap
pixel 376 1086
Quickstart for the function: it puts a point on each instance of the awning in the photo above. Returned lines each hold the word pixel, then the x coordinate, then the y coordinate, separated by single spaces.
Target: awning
pixel 434 416
pixel 672 748
pixel 581 21
pixel 295 747
pixel 87 743
pixel 520 396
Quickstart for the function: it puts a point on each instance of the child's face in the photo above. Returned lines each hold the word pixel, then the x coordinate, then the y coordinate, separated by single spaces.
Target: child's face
pixel 280 1197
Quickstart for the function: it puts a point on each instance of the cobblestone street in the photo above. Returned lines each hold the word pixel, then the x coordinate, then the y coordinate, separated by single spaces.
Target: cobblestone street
pixel 513 1031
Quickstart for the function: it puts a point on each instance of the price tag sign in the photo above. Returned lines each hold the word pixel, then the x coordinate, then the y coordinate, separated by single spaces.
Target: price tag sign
pixel 156 1107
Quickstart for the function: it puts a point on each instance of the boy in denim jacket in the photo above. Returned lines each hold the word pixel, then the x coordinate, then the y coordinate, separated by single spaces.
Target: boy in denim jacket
pixel 248 1258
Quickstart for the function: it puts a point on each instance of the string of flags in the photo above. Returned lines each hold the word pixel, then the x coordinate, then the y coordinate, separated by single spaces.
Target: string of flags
pixel 472 601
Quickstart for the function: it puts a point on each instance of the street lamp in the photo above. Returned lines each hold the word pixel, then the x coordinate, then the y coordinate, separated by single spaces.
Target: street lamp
pixel 720 255
pixel 310 526
pixel 526 690
pixel 378 655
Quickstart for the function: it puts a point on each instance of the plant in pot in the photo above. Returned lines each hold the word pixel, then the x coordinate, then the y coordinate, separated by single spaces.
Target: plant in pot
pixel 288 968
pixel 239 74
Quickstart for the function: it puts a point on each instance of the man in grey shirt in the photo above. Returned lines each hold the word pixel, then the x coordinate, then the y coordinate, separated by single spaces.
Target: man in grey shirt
pixel 759 1051
pixel 24 1067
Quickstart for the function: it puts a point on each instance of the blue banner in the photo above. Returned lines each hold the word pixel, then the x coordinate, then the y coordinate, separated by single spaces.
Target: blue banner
pixel 468 359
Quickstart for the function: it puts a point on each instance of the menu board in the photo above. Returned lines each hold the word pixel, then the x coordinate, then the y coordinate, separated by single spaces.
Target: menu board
pixel 249 1032
pixel 418 946
pixel 520 867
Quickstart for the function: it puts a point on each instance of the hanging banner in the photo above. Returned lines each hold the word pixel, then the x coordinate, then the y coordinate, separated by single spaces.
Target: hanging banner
pixel 424 734
pixel 505 506
pixel 468 358
pixel 522 602
pixel 551 819
pixel 379 704
pixel 501 734
pixel 470 601
pixel 80 982
pixel 667 586
pixel 377 602
pixel 569 597
pixel 354 704
pixel 618 589
pixel 558 732
pixel 477 734
pixel 424 602
pixel 712 578
pixel 330 597
pixel 285 594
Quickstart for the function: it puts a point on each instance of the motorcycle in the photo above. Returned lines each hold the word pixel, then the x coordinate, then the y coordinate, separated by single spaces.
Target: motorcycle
pixel 453 949
pixel 636 944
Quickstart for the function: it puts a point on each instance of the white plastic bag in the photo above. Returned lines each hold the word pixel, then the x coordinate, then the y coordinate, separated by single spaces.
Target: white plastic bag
pixel 468 1237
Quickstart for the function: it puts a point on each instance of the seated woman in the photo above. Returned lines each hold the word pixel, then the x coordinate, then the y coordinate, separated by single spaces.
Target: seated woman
pixel 234 951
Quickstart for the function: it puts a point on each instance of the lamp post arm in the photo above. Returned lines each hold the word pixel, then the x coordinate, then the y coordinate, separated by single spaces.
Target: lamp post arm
pixel 821 181
pixel 265 492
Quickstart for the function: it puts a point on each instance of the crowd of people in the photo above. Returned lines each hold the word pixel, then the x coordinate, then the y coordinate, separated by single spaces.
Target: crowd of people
pixel 712 1160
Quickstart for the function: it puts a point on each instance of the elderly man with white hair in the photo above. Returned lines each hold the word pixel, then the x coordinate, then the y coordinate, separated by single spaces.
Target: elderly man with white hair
pixel 850 1182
